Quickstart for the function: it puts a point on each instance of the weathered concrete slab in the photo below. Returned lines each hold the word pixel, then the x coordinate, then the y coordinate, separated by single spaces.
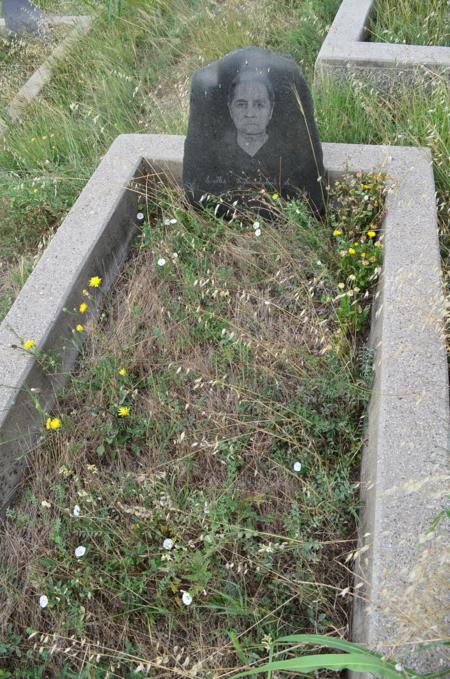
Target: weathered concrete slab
pixel 405 461
pixel 345 53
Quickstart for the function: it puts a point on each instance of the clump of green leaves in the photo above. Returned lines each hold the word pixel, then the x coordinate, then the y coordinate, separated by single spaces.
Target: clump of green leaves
pixel 356 220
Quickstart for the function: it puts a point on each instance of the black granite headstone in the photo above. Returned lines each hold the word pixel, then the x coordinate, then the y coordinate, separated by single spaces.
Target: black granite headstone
pixel 251 127
pixel 21 16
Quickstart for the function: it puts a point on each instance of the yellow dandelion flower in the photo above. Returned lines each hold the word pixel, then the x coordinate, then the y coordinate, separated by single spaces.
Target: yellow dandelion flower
pixel 351 251
pixel 95 282
pixel 83 306
pixel 337 232
pixel 85 293
pixel 275 196
pixel 53 423
pixel 363 254
pixel 122 371
pixel 29 344
pixel 371 234
pixel 123 411
pixel 79 327
pixel 366 186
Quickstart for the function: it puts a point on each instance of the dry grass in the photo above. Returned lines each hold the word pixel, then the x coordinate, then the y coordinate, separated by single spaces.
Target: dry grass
pixel 236 368
pixel 19 58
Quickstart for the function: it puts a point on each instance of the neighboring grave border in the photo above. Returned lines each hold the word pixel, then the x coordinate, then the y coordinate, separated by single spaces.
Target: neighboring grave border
pixel 345 53
pixel 42 75
pixel 405 457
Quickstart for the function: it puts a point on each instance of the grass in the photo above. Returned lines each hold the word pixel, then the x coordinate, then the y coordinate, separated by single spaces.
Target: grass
pixel 413 22
pixel 145 89
pixel 136 479
pixel 208 445
pixel 19 58
pixel 125 90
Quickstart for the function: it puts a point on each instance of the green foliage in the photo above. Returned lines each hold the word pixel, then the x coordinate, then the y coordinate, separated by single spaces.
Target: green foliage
pixel 414 22
pixel 355 658
pixel 178 471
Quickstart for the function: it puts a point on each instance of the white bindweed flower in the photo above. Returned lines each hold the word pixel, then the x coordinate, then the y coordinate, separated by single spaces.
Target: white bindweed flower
pixel 161 261
pixel 186 599
pixel 297 466
pixel 168 543
pixel 140 216
pixel 46 504
pixel 174 255
pixel 80 551
pixel 166 222
pixel 43 601
pixel 256 225
pixel 172 221
pixel 257 232
pixel 76 511
pixel 399 667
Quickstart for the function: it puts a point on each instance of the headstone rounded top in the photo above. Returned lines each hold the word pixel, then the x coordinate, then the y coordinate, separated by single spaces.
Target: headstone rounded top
pixel 251 127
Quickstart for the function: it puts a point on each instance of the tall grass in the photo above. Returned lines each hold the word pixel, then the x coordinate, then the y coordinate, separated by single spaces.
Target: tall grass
pixel 414 22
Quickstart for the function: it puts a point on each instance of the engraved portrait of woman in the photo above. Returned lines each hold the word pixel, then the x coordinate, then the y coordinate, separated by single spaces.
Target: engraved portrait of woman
pixel 250 103
pixel 247 132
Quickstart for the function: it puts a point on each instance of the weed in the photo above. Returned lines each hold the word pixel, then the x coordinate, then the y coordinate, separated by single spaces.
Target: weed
pixel 204 476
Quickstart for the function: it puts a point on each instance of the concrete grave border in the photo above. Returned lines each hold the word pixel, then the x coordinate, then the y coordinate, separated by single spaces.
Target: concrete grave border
pixel 405 458
pixel 35 83
pixel 345 52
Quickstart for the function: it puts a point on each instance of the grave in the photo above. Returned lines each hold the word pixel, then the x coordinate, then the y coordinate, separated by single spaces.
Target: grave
pixel 30 90
pixel 346 53
pixel 405 458
pixel 251 126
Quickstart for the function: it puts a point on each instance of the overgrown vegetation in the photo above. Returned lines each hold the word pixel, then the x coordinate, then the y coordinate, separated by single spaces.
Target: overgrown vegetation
pixel 198 483
pixel 413 22
pixel 19 57
pixel 145 89
pixel 117 471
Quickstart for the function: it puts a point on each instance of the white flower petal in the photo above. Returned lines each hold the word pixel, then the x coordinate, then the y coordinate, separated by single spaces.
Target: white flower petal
pixel 257 232
pixel 161 261
pixel 256 225
pixel 44 503
pixel 166 222
pixel 43 601
pixel 174 255
pixel 140 215
pixel 76 511
pixel 168 543
pixel 186 599
pixel 297 466
pixel 80 551
pixel 172 221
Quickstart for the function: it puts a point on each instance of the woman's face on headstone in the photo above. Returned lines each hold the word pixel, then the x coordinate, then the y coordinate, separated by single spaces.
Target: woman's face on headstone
pixel 251 108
